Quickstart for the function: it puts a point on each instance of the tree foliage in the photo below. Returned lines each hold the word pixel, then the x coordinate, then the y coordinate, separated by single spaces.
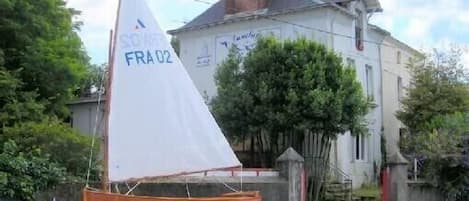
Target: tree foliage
pixel 17 105
pixel 436 114
pixel 95 80
pixel 284 92
pixel 42 66
pixel 295 85
pixel 438 87
pixel 24 173
pixel 39 42
pixel 62 144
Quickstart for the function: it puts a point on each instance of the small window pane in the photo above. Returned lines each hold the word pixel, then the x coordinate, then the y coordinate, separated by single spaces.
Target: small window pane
pixel 399 88
pixel 398 57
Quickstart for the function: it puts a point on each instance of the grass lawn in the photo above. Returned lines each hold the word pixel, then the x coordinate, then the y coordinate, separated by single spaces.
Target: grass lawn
pixel 367 192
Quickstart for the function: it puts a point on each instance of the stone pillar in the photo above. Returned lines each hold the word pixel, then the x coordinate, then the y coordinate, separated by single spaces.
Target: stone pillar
pixel 290 166
pixel 398 189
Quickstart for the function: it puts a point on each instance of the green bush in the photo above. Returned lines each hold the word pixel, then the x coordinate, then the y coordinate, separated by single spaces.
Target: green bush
pixel 22 174
pixel 60 142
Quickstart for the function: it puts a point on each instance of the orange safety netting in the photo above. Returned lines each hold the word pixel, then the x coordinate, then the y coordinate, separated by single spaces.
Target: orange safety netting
pixel 89 195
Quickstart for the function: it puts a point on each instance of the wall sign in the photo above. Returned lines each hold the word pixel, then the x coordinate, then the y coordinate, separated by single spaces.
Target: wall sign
pixel 243 41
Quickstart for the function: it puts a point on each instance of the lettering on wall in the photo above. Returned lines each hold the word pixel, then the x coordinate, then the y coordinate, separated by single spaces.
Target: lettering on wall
pixel 242 41
pixel 204 58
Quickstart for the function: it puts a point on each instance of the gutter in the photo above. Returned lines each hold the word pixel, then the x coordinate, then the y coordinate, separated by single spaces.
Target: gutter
pixel 85 100
pixel 260 16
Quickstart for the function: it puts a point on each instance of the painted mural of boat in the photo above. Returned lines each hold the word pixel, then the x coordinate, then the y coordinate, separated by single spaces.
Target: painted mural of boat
pixel 170 131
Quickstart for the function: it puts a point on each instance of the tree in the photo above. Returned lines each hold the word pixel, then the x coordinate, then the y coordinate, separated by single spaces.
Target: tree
pixel 22 174
pixel 284 93
pixel 95 80
pixel 57 141
pixel 42 66
pixel 39 42
pixel 436 114
pixel 17 105
pixel 438 87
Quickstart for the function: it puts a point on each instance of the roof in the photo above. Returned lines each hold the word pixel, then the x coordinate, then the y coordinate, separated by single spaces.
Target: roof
pixel 84 100
pixel 216 13
pixel 389 36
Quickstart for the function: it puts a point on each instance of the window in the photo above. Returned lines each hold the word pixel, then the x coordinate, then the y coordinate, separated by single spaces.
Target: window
pixel 369 82
pixel 69 119
pixel 359 31
pixel 399 88
pixel 398 57
pixel 350 62
pixel 401 132
pixel 359 147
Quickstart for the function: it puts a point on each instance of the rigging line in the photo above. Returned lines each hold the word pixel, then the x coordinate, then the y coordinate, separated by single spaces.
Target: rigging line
pixel 128 186
pixel 133 188
pixel 305 26
pixel 187 189
pixel 226 185
pixel 95 127
pixel 116 186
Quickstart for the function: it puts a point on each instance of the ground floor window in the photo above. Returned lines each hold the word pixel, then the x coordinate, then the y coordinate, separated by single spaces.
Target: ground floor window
pixel 359 147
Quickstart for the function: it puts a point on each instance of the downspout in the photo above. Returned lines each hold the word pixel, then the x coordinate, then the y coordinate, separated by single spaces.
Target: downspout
pixel 380 60
pixel 331 28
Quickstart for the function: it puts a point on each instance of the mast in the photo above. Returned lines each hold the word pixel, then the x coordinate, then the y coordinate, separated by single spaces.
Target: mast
pixel 111 56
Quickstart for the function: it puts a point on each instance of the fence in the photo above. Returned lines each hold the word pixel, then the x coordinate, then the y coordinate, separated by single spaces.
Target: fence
pixel 396 185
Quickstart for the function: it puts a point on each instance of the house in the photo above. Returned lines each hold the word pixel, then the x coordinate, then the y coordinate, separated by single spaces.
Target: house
pixel 341 25
pixel 85 116
pixel 395 56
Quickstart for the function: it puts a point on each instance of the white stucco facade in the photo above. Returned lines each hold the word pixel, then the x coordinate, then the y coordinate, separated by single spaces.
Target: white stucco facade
pixel 396 79
pixel 85 117
pixel 202 50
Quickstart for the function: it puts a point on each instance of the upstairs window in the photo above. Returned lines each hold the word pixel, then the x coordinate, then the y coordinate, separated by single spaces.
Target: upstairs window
pixel 359 30
pixel 398 57
pixel 399 88
pixel 369 82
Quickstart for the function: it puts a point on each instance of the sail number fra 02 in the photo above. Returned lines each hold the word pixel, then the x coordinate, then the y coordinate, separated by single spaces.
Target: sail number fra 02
pixel 148 57
pixel 141 43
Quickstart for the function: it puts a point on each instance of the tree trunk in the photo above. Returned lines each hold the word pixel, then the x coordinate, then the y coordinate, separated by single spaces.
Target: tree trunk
pixel 261 149
pixel 252 150
pixel 316 150
pixel 244 141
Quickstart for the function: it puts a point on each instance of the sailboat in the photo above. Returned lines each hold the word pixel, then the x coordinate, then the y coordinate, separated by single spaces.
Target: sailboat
pixel 157 124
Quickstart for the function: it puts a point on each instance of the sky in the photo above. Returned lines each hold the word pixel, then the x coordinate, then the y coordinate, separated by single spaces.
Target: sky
pixel 422 24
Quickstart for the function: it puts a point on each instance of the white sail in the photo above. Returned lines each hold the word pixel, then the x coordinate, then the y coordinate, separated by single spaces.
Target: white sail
pixel 159 124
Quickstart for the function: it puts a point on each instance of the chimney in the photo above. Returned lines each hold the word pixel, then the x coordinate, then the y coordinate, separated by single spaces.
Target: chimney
pixel 242 6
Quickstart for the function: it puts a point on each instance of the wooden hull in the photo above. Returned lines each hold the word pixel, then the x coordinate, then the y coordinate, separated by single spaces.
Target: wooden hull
pixel 89 195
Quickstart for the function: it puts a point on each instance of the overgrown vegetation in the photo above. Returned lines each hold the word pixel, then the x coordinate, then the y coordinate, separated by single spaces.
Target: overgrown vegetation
pixel 56 141
pixel 286 93
pixel 24 173
pixel 43 65
pixel 436 112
